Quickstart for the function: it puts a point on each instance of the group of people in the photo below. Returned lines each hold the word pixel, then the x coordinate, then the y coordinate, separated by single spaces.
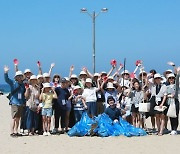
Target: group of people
pixel 39 103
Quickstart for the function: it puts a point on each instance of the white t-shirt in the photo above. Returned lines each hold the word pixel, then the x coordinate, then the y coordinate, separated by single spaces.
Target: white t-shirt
pixel 90 94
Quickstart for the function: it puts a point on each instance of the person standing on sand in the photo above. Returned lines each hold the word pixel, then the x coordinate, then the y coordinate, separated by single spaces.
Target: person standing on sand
pixel 17 99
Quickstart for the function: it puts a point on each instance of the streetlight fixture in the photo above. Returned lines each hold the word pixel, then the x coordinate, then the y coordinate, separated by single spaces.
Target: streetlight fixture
pixel 93 15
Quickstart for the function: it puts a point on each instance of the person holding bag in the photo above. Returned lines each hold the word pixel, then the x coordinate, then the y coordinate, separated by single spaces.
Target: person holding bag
pixel 32 96
pixel 172 100
pixel 158 101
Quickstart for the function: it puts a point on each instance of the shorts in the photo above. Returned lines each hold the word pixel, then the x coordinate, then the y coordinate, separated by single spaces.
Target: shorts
pixel 47 112
pixel 92 108
pixel 16 111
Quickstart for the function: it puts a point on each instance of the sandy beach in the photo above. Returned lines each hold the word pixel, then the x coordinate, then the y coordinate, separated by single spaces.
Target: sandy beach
pixel 64 144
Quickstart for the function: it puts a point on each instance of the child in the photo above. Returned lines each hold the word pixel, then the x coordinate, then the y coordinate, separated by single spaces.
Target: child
pixel 79 103
pixel 112 111
pixel 90 96
pixel 46 97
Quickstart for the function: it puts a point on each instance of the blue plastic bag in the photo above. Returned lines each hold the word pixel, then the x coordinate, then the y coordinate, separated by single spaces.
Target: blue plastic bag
pixel 82 127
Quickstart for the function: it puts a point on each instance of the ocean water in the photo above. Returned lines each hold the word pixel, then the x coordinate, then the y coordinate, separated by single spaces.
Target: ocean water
pixel 5 88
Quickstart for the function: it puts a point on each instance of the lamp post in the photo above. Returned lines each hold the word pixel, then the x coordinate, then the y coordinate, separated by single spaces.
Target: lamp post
pixel 93 16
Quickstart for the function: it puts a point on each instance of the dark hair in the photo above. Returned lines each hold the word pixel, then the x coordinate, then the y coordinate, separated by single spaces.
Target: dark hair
pixel 138 83
pixel 110 98
pixel 153 71
pixel 56 76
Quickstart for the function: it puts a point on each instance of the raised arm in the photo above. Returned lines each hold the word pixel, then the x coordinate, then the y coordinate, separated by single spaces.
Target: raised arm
pixel 6 77
pixel 111 70
pixel 50 70
pixel 71 71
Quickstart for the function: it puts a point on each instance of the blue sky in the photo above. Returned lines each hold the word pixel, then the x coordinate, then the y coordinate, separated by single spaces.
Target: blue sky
pixel 56 31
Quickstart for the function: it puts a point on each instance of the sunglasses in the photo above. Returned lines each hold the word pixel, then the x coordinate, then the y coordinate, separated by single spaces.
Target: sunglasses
pixel 125 74
pixel 171 78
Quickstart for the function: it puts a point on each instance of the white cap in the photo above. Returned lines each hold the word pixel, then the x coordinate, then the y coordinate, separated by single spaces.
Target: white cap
pixel 27 71
pixel 46 75
pixel 77 87
pixel 89 80
pixel 110 85
pixel 67 78
pixel 47 85
pixel 125 71
pixel 33 77
pixel 170 75
pixel 82 73
pixel 157 75
pixel 110 78
pixel 96 74
pixel 39 76
pixel 18 73
pixel 74 76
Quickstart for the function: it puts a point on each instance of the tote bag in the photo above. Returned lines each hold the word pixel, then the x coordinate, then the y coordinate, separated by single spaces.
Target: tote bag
pixel 144 107
pixel 172 109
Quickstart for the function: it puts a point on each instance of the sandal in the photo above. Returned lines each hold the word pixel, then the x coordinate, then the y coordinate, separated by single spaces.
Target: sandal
pixel 160 134
pixel 17 134
pixel 13 135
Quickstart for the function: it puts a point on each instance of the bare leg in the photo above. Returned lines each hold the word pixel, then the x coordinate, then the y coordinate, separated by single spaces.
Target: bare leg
pixel 158 122
pixel 12 125
pixel 138 120
pixel 153 122
pixel 44 123
pixel 134 119
pixel 48 123
pixel 16 125
pixel 162 116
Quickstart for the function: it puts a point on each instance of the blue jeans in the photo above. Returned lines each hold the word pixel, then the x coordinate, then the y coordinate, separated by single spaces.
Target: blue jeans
pixel 32 119
pixel 78 115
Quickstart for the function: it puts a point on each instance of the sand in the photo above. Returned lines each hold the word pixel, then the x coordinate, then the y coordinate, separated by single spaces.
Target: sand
pixel 165 144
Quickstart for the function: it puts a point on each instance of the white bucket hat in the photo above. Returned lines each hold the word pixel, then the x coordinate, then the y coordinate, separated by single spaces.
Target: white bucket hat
pixel 110 85
pixel 46 75
pixel 125 72
pixel 18 73
pixel 110 78
pixel 39 76
pixel 169 70
pixel 27 71
pixel 103 72
pixel 77 87
pixel 96 74
pixel 157 75
pixel 74 76
pixel 82 73
pixel 171 75
pixel 47 85
pixel 89 80
pixel 33 77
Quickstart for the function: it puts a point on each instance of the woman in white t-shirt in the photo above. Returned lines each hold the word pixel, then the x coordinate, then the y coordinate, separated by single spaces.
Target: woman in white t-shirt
pixel 89 95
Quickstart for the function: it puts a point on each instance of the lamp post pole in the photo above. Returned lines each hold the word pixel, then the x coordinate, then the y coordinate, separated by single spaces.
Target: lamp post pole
pixel 93 16
pixel 94 45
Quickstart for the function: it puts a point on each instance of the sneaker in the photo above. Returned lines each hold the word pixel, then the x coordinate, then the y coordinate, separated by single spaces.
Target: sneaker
pixel 48 134
pixel 173 132
pixel 22 131
pixel 55 131
pixel 45 134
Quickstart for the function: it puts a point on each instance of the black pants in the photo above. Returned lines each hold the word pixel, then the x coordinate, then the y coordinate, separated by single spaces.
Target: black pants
pixel 59 113
pixel 175 121
pixel 23 118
